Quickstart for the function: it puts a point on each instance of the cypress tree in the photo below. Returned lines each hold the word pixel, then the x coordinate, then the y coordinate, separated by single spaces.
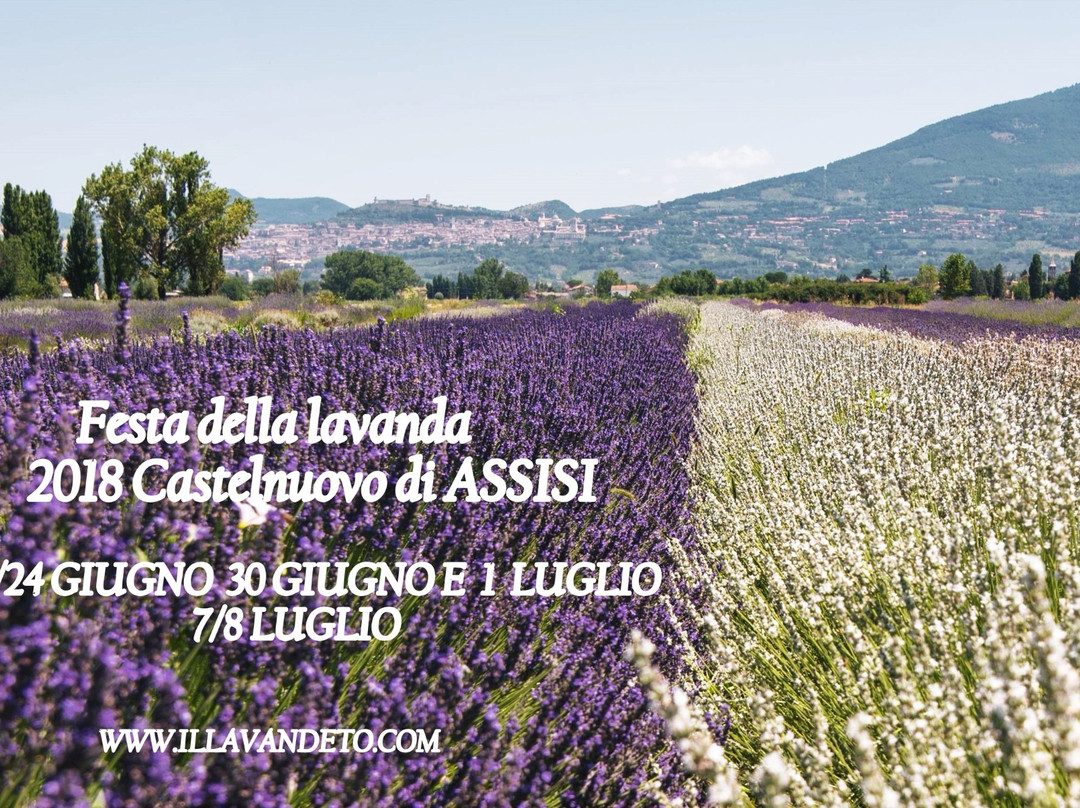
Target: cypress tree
pixel 1036 279
pixel 47 225
pixel 108 264
pixel 31 218
pixel 81 263
pixel 997 283
pixel 12 268
pixel 977 282
pixel 1061 286
pixel 9 217
pixel 1074 277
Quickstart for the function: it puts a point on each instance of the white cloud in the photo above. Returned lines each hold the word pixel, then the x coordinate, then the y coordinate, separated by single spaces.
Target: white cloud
pixel 723 167
pixel 725 159
pixel 697 172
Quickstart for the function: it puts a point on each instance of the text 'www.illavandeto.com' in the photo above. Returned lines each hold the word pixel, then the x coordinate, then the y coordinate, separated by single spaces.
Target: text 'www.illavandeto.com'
pixel 270 741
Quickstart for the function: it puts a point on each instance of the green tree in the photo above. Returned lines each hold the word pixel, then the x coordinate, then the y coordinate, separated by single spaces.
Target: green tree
pixel 164 219
pixel 884 275
pixel 364 289
pixel 15 274
pixel 116 266
pixel 235 288
pixel 389 272
pixel 261 287
pixel 465 285
pixel 30 218
pixel 442 285
pixel 1036 279
pixel 1022 291
pixel 9 211
pixel 513 285
pixel 916 296
pixel 977 282
pixel 1074 277
pixel 605 279
pixel 954 276
pixel 701 282
pixel 927 278
pixel 1061 287
pixel 286 282
pixel 486 279
pixel 81 261
pixel 997 282
pixel 706 282
pixel 145 288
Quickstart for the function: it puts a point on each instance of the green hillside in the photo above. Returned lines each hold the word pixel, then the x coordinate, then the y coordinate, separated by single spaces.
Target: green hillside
pixel 1014 156
pixel 552 207
pixel 997 184
pixel 400 212
pixel 305 210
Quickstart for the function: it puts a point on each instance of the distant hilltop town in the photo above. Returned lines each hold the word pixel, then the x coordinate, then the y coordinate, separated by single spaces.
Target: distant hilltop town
pixel 297 244
pixel 650 242
pixel 426 202
pixel 997 184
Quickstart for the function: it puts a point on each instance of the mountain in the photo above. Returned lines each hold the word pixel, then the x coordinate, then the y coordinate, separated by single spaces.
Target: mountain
pixel 305 210
pixel 997 184
pixel 1015 156
pixel 552 207
pixel 402 211
pixel 621 210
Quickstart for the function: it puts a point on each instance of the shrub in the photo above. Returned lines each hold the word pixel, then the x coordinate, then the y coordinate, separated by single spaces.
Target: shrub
pixel 364 289
pixel 235 288
pixel 146 288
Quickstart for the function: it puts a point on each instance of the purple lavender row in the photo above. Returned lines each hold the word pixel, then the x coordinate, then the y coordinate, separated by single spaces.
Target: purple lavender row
pixel 532 696
pixel 946 326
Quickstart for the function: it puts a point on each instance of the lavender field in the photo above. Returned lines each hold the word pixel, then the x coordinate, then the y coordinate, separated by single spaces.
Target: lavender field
pixel 867 522
pixel 950 321
pixel 533 696
pixel 57 321
pixel 897 621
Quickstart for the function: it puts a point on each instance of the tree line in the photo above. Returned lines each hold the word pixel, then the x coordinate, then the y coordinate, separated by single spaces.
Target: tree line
pixel 1065 286
pixel 796 289
pixel 490 280
pixel 31 259
pixel 163 225
pixel 363 275
pixel 958 276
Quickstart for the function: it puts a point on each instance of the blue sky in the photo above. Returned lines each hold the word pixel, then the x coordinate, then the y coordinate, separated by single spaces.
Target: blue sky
pixel 503 103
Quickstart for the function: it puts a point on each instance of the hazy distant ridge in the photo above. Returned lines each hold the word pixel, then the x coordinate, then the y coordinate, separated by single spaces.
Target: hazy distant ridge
pixel 1013 156
pixel 305 210
pixel 997 184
